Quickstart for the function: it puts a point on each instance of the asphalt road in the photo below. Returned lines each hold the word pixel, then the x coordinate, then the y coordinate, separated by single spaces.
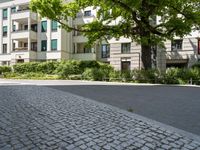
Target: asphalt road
pixel 175 106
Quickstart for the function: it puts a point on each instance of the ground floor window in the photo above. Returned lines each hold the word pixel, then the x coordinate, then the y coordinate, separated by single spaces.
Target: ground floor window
pixel 125 65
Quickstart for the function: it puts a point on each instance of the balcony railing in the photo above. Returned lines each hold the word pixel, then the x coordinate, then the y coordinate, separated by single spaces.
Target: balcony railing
pixel 21 10
pixel 21 49
pixel 23 30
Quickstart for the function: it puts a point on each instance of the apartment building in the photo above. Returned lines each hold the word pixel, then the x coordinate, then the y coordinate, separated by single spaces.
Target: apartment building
pixel 25 37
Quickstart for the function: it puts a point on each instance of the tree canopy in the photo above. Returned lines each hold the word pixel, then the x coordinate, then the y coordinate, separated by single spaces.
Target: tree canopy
pixel 136 19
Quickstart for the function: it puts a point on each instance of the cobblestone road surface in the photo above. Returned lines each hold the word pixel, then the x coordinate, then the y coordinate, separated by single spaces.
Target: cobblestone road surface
pixel 33 117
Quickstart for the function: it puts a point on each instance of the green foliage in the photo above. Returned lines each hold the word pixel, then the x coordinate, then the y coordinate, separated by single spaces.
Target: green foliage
pixel 88 64
pixel 48 67
pixel 197 65
pixel 36 67
pixel 115 75
pixel 66 68
pixel 94 74
pixel 5 69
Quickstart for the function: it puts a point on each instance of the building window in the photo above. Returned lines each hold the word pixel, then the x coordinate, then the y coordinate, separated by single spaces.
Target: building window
pixel 14 27
pixel 34 46
pixel 177 44
pixel 125 48
pixel 13 9
pixel 87 49
pixel 44 45
pixel 34 27
pixel 44 26
pixel 5 30
pixel 54 44
pixel 125 65
pixel 87 13
pixel 5 13
pixel 54 25
pixel 4 48
pixel 105 51
pixel 199 46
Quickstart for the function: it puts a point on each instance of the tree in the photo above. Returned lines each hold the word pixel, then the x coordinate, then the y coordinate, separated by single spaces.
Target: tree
pixel 136 19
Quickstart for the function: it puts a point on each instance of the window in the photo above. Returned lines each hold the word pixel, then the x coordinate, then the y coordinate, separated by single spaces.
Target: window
pixel 177 44
pixel 105 51
pixel 126 48
pixel 54 44
pixel 34 27
pixel 125 65
pixel 13 9
pixel 14 27
pixel 44 26
pixel 5 29
pixel 199 46
pixel 44 45
pixel 34 46
pixel 54 25
pixel 87 13
pixel 5 13
pixel 4 48
pixel 87 49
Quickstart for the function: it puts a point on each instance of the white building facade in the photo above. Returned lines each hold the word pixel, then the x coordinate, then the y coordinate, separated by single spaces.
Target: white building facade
pixel 25 37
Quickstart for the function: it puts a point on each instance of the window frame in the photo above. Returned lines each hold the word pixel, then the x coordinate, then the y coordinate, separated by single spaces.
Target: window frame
pixel 54 28
pixel 106 53
pixel 42 43
pixel 87 13
pixel 5 48
pixel 5 32
pixel 5 15
pixel 42 27
pixel 176 46
pixel 52 48
pixel 126 48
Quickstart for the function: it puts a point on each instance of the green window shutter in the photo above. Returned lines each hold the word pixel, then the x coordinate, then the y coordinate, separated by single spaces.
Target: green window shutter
pixel 54 44
pixel 44 45
pixel 54 25
pixel 43 26
pixel 5 13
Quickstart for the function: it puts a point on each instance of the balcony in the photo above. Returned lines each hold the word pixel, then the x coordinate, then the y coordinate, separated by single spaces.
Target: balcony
pixel 83 19
pixel 21 49
pixel 21 34
pixel 84 56
pixel 79 39
pixel 24 13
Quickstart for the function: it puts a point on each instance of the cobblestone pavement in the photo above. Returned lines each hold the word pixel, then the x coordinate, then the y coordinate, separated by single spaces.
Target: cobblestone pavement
pixel 33 117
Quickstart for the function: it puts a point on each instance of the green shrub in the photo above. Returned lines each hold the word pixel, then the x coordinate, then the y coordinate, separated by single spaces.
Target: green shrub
pixel 48 67
pixel 88 64
pixel 171 76
pixel 67 68
pixel 26 67
pixel 147 76
pixel 5 69
pixel 115 75
pixel 196 65
pixel 94 74
pixel 36 67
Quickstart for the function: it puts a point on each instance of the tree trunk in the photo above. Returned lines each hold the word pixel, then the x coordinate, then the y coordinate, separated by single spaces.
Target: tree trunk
pixel 146 56
pixel 146 48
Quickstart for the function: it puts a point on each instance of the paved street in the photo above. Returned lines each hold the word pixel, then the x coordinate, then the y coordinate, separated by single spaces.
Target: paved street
pixel 175 106
pixel 34 117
